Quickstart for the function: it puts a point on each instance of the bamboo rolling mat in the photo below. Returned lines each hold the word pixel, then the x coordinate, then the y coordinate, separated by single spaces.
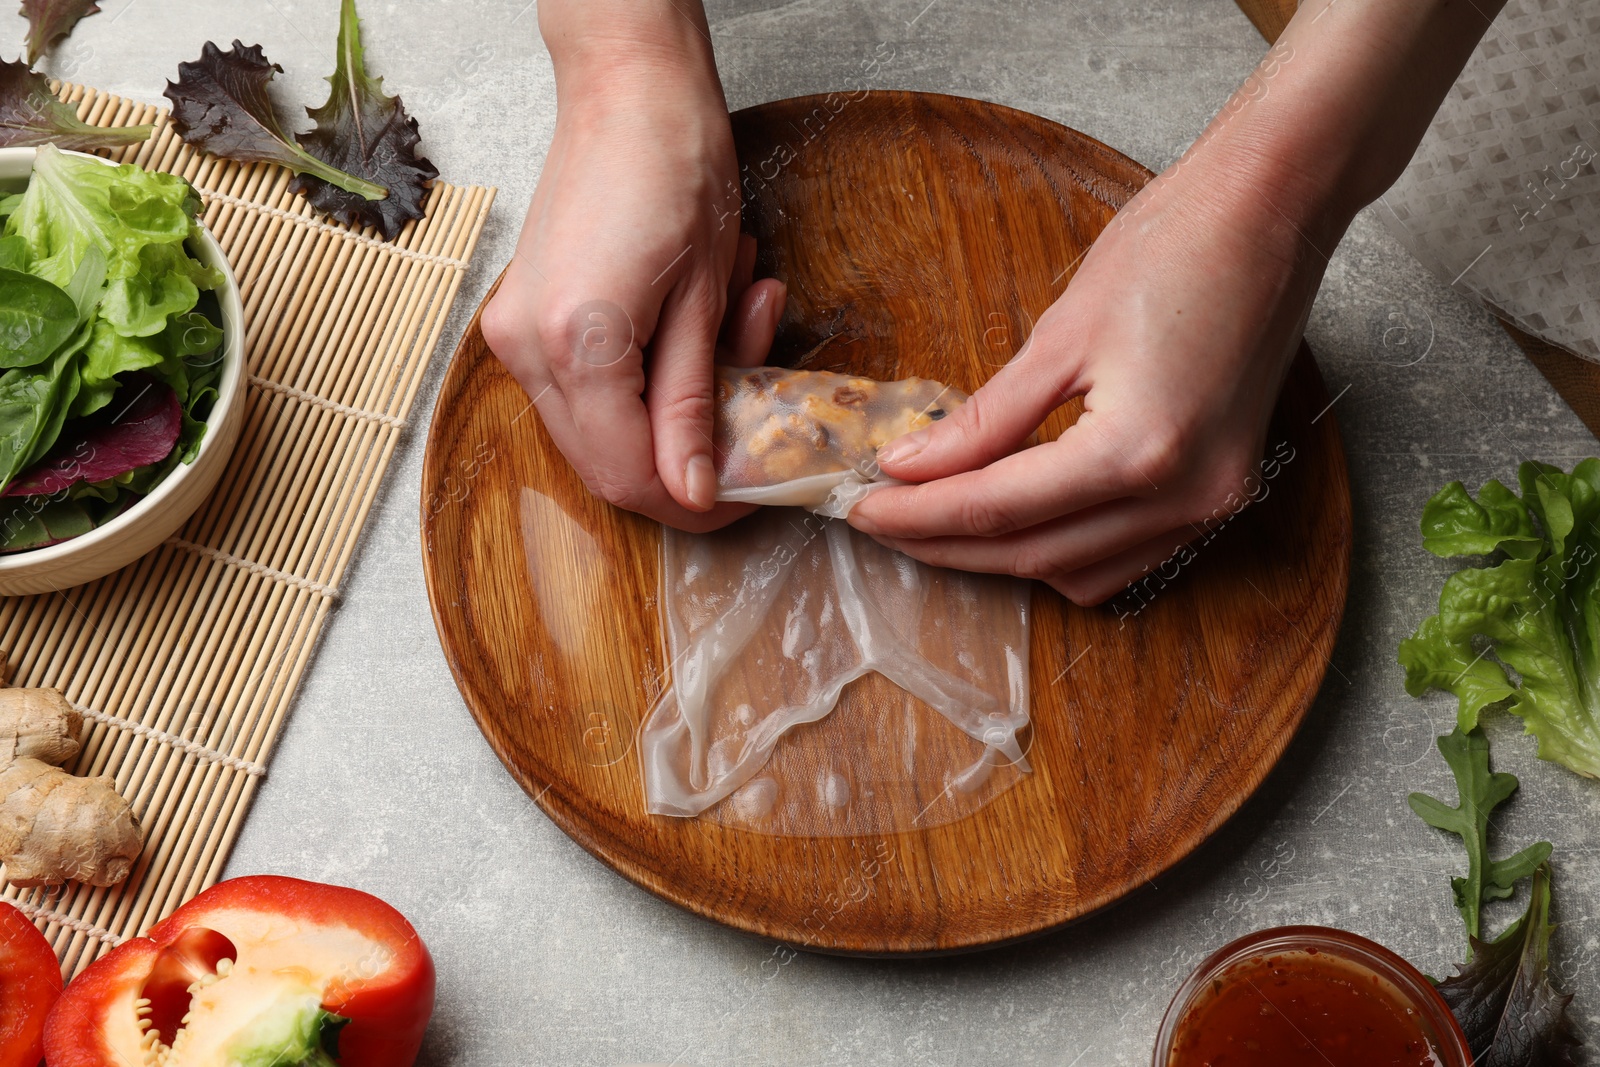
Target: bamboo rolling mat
pixel 187 660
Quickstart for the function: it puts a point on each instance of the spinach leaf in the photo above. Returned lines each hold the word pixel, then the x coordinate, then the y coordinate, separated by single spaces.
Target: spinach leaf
pixel 33 406
pixel 36 318
pixel 40 521
pixel 138 429
pixel 13 253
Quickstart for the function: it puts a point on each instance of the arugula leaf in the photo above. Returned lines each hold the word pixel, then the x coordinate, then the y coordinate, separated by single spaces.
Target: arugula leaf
pixel 220 104
pixel 1503 999
pixel 32 115
pixel 1538 611
pixel 362 131
pixel 1480 792
pixel 36 318
pixel 51 20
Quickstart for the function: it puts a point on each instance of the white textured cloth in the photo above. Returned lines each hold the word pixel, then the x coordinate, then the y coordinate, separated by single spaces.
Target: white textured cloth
pixel 1502 198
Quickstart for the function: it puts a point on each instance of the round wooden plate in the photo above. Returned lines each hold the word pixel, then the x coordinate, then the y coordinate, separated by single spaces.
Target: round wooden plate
pixel 922 234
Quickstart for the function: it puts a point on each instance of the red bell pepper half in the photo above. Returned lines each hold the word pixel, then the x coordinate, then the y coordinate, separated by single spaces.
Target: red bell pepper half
pixel 30 982
pixel 255 972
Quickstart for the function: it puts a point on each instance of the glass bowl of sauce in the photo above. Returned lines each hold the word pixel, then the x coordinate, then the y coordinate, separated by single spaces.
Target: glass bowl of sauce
pixel 1308 995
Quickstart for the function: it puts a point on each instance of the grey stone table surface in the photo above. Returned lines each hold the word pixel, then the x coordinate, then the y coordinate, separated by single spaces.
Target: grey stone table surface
pixel 545 957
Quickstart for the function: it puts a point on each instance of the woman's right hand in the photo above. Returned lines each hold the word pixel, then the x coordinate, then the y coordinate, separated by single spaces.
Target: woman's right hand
pixel 610 312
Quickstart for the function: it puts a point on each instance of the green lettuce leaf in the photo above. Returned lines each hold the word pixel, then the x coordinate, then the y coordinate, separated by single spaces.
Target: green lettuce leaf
pixel 167 355
pixel 138 220
pixel 167 284
pixel 109 288
pixel 1537 612
pixel 108 355
pixel 1453 524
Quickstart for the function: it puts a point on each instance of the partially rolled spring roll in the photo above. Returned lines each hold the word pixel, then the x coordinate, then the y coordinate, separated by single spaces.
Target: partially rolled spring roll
pixel 810 439
pixel 771 620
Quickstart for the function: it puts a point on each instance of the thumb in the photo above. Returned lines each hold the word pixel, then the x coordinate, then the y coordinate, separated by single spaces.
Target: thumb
pixel 680 392
pixel 994 422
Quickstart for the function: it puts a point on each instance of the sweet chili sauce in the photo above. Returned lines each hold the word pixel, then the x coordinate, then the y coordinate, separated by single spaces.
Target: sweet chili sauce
pixel 1312 996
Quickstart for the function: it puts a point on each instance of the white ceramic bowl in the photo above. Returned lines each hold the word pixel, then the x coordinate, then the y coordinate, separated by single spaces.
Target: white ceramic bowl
pixel 157 517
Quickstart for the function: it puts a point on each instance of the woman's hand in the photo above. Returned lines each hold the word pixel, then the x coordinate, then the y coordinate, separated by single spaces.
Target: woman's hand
pixel 630 255
pixel 1177 332
pixel 1179 327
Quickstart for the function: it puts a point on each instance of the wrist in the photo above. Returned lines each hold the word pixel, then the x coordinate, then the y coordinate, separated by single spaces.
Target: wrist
pixel 631 50
pixel 1322 161
pixel 1334 112
pixel 1237 183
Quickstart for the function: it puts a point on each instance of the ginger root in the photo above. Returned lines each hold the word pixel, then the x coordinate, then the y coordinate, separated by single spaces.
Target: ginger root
pixel 55 826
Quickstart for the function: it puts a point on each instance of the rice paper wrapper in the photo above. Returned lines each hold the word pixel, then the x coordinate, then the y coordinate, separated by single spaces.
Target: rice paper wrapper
pixel 826 685
pixel 809 439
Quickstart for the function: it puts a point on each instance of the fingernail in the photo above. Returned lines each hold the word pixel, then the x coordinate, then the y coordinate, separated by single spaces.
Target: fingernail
pixel 903 448
pixel 861 522
pixel 700 482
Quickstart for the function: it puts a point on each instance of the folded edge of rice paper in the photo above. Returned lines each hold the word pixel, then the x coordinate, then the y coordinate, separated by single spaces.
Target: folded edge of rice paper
pixel 768 621
pixel 801 438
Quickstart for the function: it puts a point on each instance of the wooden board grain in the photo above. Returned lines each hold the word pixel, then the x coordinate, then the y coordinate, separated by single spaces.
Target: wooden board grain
pixel 1574 378
pixel 922 234
pixel 1269 16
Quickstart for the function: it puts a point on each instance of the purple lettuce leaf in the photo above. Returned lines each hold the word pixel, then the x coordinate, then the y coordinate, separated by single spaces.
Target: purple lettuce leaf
pixel 139 427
